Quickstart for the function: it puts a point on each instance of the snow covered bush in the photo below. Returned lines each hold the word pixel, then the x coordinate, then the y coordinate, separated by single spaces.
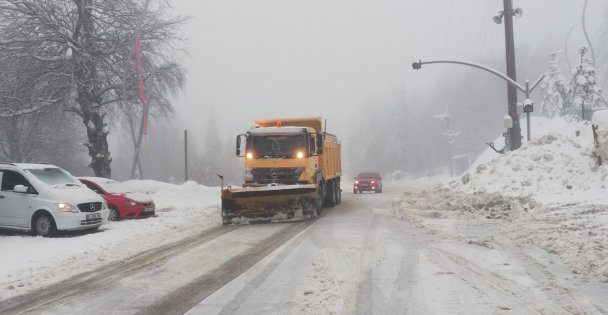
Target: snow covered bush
pixel 555 89
pixel 585 94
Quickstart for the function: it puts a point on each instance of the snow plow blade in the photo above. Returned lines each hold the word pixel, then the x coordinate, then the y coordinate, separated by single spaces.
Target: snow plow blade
pixel 268 201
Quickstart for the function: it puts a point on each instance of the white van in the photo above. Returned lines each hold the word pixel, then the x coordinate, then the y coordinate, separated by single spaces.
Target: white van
pixel 45 199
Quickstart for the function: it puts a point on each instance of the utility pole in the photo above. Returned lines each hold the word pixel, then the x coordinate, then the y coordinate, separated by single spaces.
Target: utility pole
pixel 450 143
pixel 186 155
pixel 515 131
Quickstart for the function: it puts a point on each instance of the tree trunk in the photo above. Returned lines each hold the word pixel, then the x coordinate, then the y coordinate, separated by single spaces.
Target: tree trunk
pixel 98 143
pixel 87 87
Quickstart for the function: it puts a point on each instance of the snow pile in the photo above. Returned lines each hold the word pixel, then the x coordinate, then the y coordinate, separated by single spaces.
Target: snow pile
pixel 431 203
pixel 576 233
pixel 170 196
pixel 550 193
pixel 34 262
pixel 557 165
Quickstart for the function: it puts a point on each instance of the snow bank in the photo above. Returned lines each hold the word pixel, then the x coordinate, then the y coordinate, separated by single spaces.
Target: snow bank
pixel 575 233
pixel 35 262
pixel 557 165
pixel 550 193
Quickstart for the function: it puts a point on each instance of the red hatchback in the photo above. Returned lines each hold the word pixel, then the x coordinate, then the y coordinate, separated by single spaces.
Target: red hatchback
pixel 122 204
pixel 368 181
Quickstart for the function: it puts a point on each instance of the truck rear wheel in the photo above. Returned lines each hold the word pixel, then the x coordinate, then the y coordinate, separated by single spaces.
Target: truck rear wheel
pixel 338 193
pixel 331 199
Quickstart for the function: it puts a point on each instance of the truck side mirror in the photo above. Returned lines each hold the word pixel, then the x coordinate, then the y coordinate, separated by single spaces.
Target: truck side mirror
pixel 319 144
pixel 238 145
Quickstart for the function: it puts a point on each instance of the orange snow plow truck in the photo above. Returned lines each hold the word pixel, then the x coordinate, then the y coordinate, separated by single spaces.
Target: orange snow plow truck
pixel 292 168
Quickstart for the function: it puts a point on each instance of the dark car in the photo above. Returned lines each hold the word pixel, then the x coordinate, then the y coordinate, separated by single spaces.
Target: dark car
pixel 368 181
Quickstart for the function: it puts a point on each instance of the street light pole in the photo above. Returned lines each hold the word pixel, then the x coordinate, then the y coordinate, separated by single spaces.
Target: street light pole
pixel 515 132
pixel 527 89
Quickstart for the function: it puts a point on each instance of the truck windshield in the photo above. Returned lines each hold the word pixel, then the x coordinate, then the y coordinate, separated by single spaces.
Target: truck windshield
pixel 277 146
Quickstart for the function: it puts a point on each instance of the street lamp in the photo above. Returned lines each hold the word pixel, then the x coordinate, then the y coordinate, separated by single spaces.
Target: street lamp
pixel 528 106
pixel 498 18
pixel 518 12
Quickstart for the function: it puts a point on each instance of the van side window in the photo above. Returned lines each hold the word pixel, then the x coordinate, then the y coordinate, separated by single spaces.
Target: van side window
pixel 10 179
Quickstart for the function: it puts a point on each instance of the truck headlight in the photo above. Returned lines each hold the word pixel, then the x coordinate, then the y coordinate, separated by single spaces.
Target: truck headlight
pixel 300 155
pixel 66 207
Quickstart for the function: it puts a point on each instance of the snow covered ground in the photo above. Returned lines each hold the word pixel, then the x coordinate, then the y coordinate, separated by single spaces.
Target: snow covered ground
pixel 522 233
pixel 30 263
pixel 550 194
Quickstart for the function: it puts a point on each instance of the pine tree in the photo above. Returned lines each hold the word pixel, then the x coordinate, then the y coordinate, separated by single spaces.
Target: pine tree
pixel 584 94
pixel 555 90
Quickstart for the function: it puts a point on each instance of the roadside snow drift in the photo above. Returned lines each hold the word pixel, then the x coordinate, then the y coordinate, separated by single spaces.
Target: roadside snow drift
pixel 550 193
pixel 557 165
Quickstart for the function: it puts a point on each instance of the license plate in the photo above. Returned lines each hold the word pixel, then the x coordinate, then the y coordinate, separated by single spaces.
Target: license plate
pixel 148 209
pixel 93 216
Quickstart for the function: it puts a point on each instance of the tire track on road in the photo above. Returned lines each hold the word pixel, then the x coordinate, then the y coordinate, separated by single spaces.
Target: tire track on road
pixel 365 295
pixel 186 297
pixel 82 284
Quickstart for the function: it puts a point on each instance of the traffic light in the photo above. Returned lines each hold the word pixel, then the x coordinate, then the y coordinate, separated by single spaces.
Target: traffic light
pixel 528 106
pixel 417 65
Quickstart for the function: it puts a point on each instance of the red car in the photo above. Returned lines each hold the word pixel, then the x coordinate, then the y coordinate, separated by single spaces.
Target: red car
pixel 368 181
pixel 122 204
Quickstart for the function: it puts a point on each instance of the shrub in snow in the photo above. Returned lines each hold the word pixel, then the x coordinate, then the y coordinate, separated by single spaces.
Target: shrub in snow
pixel 600 133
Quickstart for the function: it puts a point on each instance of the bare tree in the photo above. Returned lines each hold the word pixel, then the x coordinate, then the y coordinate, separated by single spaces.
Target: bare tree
pixel 75 53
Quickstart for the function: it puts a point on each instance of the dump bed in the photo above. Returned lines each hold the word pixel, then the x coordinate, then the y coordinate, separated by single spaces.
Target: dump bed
pixel 330 161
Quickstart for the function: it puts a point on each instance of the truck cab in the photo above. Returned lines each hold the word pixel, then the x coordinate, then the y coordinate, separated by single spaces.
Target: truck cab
pixel 291 167
pixel 281 155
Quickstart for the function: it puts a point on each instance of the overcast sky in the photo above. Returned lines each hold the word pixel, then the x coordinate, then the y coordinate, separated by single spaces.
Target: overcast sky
pixel 285 58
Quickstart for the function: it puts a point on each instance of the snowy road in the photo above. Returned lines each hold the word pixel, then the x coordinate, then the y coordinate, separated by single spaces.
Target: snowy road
pixel 356 259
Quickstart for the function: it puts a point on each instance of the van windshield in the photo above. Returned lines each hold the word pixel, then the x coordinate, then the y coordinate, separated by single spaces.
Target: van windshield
pixel 53 176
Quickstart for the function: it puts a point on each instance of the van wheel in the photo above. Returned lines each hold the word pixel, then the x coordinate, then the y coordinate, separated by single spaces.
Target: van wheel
pixel 114 215
pixel 44 225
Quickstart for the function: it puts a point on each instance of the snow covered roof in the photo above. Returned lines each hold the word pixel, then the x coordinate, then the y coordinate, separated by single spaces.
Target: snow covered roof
pixel 277 131
pixel 32 166
pixel 98 180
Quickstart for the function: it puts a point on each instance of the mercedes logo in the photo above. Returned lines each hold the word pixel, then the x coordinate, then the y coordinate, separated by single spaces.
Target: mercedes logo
pixel 274 174
pixel 92 206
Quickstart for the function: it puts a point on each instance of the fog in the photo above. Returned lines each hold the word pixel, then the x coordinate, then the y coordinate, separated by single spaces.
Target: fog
pixel 255 59
pixel 343 60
